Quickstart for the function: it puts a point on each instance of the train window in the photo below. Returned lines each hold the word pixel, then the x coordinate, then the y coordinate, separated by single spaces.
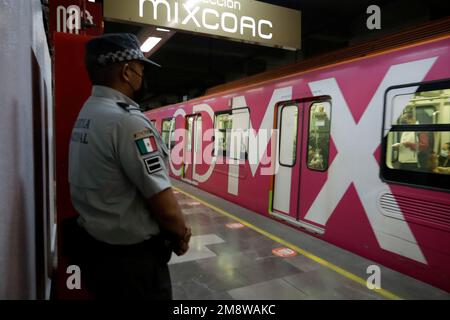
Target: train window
pixel 168 132
pixel 231 133
pixel 190 126
pixel 239 134
pixel 223 125
pixel 417 135
pixel 288 135
pixel 319 136
pixel 198 133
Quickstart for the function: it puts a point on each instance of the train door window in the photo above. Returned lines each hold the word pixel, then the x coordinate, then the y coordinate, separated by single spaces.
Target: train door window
pixel 189 129
pixel 231 133
pixel 198 134
pixel 239 134
pixel 416 135
pixel 223 125
pixel 288 135
pixel 168 132
pixel 319 136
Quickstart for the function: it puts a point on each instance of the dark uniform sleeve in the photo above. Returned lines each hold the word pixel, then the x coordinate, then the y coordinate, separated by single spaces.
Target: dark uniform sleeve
pixel 140 156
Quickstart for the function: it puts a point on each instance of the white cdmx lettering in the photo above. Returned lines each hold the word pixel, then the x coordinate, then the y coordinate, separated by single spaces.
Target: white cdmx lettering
pixel 355 162
pixel 257 145
pixel 392 234
pixel 258 140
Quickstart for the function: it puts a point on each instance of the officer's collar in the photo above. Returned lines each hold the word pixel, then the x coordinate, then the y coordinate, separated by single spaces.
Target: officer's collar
pixel 110 93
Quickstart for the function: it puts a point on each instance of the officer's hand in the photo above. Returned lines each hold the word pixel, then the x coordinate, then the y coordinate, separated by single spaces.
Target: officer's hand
pixel 187 235
pixel 182 246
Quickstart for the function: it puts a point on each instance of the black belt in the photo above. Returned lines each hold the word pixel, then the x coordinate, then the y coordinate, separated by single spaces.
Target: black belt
pixel 77 241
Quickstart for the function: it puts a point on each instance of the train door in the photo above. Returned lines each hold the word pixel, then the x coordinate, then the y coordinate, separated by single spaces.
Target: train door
pixel 192 148
pixel 289 125
pixel 302 153
pixel 315 159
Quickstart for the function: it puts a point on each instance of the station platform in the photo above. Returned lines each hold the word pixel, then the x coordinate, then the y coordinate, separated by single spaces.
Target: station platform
pixel 238 254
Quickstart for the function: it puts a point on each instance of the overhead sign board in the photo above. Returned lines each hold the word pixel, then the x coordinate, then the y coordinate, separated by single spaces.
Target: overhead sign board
pixel 244 20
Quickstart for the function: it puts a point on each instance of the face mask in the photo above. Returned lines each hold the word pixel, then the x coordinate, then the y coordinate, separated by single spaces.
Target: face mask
pixel 444 153
pixel 139 94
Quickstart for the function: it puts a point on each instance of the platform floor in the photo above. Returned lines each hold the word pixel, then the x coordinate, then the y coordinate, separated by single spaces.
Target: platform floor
pixel 231 257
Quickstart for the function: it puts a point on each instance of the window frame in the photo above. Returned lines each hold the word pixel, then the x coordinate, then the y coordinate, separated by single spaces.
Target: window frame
pixel 415 179
pixel 169 119
pixel 230 112
pixel 299 115
pixel 187 132
pixel 188 135
pixel 309 134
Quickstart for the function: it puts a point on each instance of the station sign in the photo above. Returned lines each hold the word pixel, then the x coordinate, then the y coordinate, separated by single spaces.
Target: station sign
pixel 245 20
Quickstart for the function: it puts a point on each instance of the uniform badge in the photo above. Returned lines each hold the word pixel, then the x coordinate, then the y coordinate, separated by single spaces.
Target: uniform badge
pixel 142 134
pixel 146 145
pixel 153 164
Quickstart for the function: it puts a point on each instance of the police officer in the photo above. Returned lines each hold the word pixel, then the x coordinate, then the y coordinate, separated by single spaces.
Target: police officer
pixel 129 218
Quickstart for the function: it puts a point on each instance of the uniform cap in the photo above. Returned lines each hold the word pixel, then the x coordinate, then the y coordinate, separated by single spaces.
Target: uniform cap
pixel 117 47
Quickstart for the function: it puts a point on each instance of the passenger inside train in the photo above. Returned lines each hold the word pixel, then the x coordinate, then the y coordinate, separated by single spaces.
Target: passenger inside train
pixel 444 155
pixel 433 165
pixel 425 148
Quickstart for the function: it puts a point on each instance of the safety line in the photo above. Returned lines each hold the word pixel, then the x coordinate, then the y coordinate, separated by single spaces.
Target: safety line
pixel 383 292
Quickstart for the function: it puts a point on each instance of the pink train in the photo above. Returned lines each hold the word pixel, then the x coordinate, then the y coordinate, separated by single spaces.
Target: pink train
pixel 351 148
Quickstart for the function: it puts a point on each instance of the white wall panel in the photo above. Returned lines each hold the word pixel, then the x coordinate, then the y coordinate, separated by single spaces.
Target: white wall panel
pixel 21 33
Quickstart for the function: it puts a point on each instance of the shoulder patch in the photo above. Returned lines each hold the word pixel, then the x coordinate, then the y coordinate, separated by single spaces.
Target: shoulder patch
pixel 143 134
pixel 128 107
pixel 146 145
pixel 153 164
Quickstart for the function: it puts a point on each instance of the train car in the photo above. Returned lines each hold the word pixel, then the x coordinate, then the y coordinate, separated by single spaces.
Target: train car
pixel 351 147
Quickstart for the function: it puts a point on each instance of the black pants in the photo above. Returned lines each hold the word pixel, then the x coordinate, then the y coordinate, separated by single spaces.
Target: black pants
pixel 137 271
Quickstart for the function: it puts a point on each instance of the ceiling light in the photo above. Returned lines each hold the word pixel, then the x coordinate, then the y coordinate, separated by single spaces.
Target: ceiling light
pixel 150 43
pixel 162 29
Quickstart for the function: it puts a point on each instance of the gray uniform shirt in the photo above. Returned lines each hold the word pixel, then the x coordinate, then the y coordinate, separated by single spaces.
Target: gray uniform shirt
pixel 116 161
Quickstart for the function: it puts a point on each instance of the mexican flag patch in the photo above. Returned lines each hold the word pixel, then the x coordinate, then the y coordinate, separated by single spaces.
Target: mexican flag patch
pixel 146 145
